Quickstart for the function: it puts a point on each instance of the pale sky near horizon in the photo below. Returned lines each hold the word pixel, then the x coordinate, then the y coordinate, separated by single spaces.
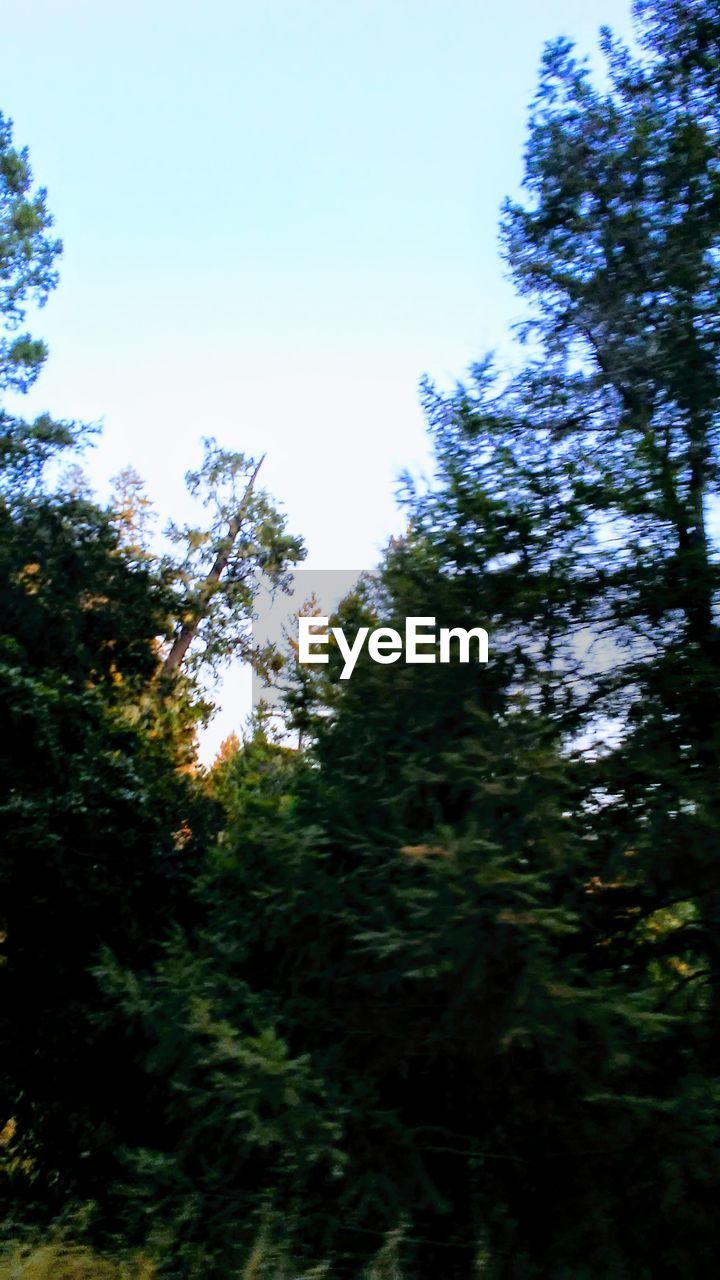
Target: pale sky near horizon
pixel 277 215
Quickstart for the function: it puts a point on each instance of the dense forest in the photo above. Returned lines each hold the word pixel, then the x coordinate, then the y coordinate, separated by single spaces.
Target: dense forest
pixel 434 994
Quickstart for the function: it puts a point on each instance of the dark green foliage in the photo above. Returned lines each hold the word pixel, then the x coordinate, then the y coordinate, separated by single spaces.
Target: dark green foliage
pixel 449 974
pixel 100 819
pixel 96 819
pixel 617 247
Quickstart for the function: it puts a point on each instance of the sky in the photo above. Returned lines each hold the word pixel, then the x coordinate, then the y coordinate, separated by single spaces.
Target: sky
pixel 277 216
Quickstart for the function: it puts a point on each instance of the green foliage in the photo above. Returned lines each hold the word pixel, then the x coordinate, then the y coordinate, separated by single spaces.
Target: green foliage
pixel 97 819
pixel 28 273
pixel 438 992
pixel 218 574
pixel 100 819
pixel 27 262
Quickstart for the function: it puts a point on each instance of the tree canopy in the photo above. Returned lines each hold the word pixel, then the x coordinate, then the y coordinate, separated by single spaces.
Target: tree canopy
pixel 436 992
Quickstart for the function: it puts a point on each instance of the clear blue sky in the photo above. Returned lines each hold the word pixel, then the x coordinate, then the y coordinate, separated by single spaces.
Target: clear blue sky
pixel 277 215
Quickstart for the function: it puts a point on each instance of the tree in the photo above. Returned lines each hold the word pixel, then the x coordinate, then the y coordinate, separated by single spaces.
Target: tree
pixel 132 512
pixel 244 1122
pixel 27 263
pixel 221 566
pixel 103 811
pixel 100 824
pixel 28 273
pixel 616 246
